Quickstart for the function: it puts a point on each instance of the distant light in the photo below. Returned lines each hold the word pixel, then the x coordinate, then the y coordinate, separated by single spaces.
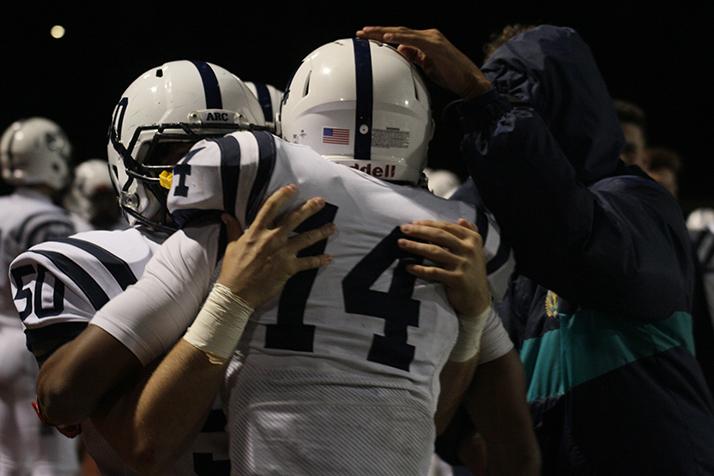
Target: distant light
pixel 57 32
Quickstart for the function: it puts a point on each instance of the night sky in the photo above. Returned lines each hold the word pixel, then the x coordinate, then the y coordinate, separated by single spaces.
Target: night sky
pixel 658 58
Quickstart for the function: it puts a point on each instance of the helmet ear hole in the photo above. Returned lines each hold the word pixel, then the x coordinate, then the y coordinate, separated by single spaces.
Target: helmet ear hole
pixel 306 89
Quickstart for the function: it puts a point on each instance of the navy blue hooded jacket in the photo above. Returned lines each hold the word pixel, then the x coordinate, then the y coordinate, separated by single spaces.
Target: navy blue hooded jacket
pixel 600 307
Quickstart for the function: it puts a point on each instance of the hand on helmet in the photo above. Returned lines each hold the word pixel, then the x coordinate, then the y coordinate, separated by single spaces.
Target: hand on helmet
pixel 440 60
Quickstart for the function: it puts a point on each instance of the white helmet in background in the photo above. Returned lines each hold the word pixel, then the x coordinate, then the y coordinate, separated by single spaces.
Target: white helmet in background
pixel 269 98
pixel 362 104
pixel 701 218
pixel 35 151
pixel 160 115
pixel 91 195
pixel 441 182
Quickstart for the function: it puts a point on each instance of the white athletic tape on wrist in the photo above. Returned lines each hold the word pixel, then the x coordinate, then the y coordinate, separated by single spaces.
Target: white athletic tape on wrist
pixel 469 340
pixel 220 323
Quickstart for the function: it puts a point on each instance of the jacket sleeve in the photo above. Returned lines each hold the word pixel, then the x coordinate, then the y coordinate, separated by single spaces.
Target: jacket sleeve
pixel 615 246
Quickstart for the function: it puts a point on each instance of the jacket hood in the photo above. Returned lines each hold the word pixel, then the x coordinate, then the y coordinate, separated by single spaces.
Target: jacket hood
pixel 552 70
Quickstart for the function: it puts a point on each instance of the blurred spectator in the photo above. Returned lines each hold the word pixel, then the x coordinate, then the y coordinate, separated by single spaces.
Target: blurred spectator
pixel 663 165
pixel 633 121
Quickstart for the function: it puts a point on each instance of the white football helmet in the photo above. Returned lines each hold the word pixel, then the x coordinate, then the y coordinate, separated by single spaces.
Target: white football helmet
pixel 362 104
pixel 180 102
pixel 269 98
pixel 91 195
pixel 35 151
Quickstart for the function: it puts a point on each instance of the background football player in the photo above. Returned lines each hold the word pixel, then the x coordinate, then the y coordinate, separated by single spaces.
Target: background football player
pixel 35 158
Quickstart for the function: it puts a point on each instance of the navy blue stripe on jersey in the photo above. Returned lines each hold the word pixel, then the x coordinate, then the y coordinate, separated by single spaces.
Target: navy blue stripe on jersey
pixel 81 278
pixel 266 164
pixel 230 170
pixel 363 111
pixel 210 85
pixel 119 269
pixel 502 255
pixel 215 422
pixel 43 341
pixel 48 230
pixel 482 223
pixel 185 215
pixel 20 232
pixel 264 99
pixel 222 242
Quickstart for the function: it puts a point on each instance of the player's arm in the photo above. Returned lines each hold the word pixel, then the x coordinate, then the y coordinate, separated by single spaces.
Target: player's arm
pixel 497 404
pixel 55 298
pixel 167 410
pixel 459 264
pixel 73 380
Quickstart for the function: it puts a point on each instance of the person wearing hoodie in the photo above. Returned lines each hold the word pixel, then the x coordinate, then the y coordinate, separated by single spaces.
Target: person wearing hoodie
pixel 600 308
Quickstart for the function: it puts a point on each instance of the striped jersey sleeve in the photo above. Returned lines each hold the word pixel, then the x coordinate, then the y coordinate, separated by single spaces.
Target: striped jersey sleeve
pixel 228 174
pixel 500 262
pixel 58 285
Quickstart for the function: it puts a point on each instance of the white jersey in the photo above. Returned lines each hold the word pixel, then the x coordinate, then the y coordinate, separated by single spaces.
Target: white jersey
pixel 26 218
pixel 340 374
pixel 26 447
pixel 59 287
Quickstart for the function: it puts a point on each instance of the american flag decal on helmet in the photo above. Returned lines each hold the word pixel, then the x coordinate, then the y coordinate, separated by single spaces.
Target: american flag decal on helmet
pixel 335 135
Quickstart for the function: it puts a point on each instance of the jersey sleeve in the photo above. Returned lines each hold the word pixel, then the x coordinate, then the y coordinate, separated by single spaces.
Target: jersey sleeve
pixel 57 287
pixel 150 316
pixel 500 262
pixel 230 174
pixel 495 342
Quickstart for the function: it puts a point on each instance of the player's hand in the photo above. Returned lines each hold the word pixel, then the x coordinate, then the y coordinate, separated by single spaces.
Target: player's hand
pixel 257 263
pixel 456 250
pixel 441 61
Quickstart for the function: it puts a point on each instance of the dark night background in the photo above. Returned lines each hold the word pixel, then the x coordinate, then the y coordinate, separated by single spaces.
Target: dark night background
pixel 658 57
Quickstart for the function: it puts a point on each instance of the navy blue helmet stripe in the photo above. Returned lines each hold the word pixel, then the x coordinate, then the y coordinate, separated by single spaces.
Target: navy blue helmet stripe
pixel 230 170
pixel 117 267
pixel 81 278
pixel 210 85
pixel 264 100
pixel 8 152
pixel 363 112
pixel 266 164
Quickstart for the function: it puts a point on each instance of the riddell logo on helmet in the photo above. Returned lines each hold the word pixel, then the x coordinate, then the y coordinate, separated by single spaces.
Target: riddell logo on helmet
pixel 387 171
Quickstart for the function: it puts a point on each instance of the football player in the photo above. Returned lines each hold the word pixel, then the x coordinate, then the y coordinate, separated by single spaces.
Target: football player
pixel 60 284
pixel 34 157
pixel 269 98
pixel 91 198
pixel 339 374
